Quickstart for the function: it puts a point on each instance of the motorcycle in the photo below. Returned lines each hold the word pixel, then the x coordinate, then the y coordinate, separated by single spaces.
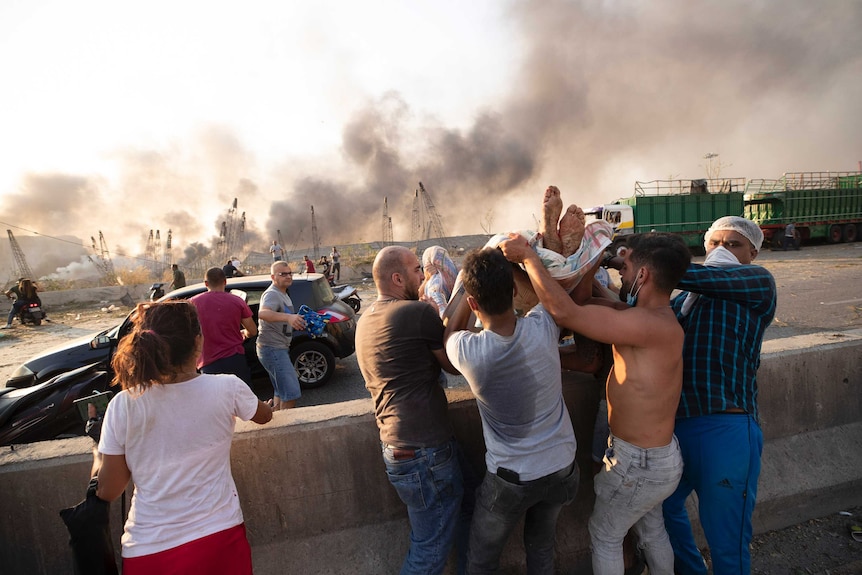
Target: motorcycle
pixel 48 410
pixel 349 295
pixel 31 312
pixel 156 291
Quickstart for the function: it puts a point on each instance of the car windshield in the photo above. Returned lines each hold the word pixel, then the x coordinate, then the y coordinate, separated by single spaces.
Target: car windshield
pixel 322 294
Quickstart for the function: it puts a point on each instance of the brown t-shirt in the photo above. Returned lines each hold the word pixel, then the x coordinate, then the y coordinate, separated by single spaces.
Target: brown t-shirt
pixel 394 340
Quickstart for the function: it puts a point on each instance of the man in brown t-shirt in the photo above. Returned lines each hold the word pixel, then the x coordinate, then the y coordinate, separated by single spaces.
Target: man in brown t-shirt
pixel 399 346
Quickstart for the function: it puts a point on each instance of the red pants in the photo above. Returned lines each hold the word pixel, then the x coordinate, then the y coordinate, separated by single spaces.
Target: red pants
pixel 226 552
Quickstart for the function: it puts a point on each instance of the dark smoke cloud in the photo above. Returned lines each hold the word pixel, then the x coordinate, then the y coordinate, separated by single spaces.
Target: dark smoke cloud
pixel 603 94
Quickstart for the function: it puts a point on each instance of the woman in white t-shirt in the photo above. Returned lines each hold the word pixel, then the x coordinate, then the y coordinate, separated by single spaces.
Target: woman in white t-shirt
pixel 170 432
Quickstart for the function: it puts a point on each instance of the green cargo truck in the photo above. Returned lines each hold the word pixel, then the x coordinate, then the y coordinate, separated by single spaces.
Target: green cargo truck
pixel 684 207
pixel 822 205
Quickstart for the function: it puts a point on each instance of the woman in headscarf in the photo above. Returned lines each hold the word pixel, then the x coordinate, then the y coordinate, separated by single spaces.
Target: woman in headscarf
pixel 440 275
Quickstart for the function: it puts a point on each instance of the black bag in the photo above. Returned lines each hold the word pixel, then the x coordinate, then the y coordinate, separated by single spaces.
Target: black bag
pixel 88 525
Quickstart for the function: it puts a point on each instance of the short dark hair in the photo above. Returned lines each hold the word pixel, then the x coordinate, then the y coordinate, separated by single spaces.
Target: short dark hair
pixel 215 276
pixel 489 279
pixel 666 255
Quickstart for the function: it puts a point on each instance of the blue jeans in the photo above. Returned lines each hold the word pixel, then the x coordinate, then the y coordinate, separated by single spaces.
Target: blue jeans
pixel 722 464
pixel 630 489
pixel 501 504
pixel 282 374
pixel 16 307
pixel 431 486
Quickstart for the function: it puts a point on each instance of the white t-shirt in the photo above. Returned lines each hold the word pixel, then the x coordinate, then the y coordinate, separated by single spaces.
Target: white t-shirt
pixel 517 383
pixel 176 439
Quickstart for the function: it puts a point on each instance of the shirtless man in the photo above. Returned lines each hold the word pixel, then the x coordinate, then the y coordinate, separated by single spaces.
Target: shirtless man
pixel 642 464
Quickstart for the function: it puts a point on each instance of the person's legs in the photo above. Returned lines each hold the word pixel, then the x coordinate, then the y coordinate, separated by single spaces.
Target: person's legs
pixel 633 484
pixel 540 523
pixel 552 206
pixel 282 374
pixel 431 486
pixel 234 364
pixel 572 226
pixel 499 506
pixel 687 557
pixel 728 490
pixel 16 307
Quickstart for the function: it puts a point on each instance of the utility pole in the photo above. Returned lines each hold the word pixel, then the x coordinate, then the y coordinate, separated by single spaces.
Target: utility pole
pixel 20 260
pixel 315 238
pixel 387 224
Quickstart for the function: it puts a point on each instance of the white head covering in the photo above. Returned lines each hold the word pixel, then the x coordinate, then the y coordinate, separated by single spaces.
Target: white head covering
pixel 720 257
pixel 747 228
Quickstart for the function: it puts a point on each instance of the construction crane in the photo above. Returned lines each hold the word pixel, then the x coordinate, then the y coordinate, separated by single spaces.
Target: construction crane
pixel 424 211
pixel 168 259
pixel 20 260
pixel 158 269
pixel 103 261
pixel 315 238
pixel 387 224
pixel 232 233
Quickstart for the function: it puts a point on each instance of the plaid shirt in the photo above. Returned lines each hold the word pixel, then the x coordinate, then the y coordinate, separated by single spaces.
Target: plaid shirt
pixel 723 334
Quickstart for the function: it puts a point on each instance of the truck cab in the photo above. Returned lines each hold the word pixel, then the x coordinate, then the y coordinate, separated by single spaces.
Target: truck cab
pixel 620 216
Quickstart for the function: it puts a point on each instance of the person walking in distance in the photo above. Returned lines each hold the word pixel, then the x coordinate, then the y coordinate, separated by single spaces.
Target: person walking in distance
pixel 276 251
pixel 724 313
pixel 179 278
pixel 226 322
pixel 336 263
pixel 276 322
pixel 399 348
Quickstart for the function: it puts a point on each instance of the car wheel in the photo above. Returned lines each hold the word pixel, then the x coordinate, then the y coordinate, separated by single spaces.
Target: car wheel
pixel 314 363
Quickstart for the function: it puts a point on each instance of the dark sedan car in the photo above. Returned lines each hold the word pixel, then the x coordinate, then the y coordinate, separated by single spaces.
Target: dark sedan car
pixel 314 358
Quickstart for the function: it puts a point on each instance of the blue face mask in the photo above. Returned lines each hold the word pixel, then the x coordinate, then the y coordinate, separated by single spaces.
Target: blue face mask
pixel 632 298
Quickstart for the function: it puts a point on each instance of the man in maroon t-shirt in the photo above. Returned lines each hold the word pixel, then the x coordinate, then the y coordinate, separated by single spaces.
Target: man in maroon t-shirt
pixel 226 321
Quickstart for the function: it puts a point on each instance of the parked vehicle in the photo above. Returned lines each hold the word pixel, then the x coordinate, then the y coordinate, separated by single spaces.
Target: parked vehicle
pixel 31 312
pixel 821 205
pixel 314 358
pixel 157 291
pixel 349 295
pixel 47 410
pixel 683 207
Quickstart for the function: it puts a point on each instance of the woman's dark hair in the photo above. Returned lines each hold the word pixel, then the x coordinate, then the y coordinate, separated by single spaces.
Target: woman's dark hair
pixel 159 345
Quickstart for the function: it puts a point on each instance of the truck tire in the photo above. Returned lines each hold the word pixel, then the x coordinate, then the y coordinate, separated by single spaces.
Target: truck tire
pixel 836 234
pixel 850 233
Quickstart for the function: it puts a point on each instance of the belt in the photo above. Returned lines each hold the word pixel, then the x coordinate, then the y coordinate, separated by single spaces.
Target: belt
pixel 551 478
pixel 401 454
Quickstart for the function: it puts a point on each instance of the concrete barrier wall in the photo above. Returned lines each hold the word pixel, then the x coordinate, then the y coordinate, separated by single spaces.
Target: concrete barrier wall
pixel 316 498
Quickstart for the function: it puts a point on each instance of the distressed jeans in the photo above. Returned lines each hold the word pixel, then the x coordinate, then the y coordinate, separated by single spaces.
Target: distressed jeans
pixel 431 485
pixel 630 490
pixel 501 504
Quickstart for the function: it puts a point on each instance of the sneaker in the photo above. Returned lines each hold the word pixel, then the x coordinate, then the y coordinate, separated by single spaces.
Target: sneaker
pixel 7 326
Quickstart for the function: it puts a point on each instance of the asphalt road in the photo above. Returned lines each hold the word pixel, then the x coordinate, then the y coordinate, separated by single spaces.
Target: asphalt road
pixel 818 290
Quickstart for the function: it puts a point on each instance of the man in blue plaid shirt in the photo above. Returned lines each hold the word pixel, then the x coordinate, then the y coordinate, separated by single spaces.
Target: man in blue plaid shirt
pixel 725 312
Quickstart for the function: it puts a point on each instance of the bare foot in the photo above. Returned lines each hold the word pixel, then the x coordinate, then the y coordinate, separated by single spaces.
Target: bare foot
pixel 552 206
pixel 572 230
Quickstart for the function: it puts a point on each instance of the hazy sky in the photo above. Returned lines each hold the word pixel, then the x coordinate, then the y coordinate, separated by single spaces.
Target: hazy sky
pixel 125 117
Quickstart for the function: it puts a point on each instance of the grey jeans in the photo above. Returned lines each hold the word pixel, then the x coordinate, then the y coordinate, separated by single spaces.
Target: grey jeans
pixel 630 489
